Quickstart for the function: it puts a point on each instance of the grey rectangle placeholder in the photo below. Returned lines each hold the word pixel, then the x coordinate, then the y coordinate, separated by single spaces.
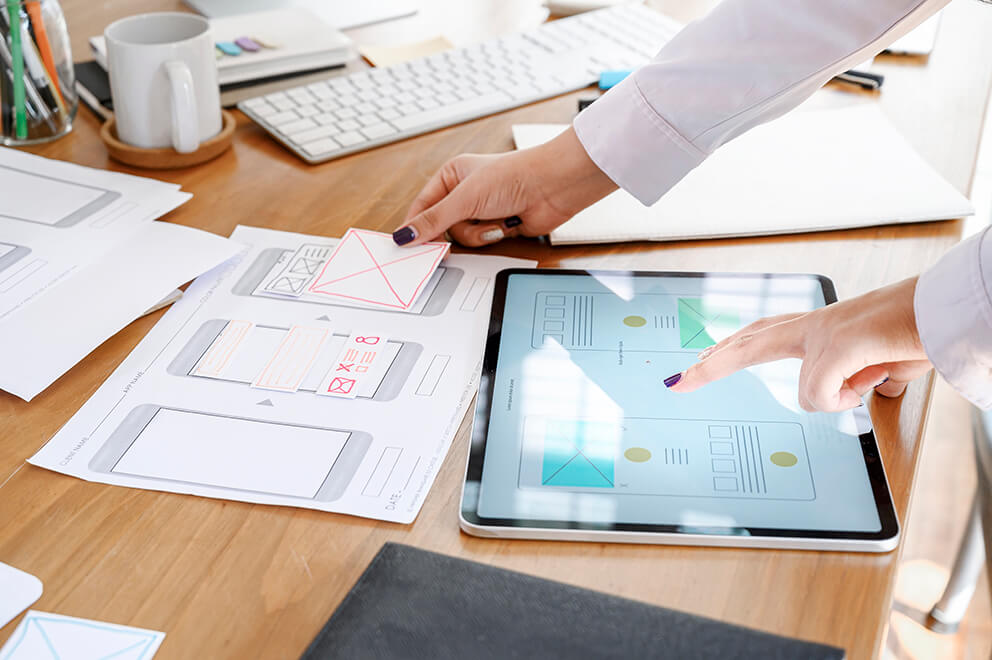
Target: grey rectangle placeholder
pixel 433 375
pixel 383 470
pixel 474 295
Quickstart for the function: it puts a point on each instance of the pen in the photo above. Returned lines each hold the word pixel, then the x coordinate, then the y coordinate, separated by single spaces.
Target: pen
pixel 37 25
pixel 36 106
pixel 40 109
pixel 863 79
pixel 17 65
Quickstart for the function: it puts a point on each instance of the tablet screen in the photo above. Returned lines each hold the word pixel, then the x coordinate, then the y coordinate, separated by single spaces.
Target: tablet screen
pixel 580 427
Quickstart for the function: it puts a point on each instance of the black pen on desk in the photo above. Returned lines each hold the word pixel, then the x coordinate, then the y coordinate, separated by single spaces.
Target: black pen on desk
pixel 863 79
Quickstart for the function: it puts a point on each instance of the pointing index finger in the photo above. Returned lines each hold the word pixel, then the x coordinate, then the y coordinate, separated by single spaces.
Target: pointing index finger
pixel 775 342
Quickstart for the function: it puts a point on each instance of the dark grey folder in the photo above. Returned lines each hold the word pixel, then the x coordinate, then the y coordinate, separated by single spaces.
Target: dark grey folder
pixel 411 603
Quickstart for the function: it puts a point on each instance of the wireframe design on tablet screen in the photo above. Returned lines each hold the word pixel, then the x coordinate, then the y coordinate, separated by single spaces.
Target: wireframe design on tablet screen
pixel 46 200
pixel 231 452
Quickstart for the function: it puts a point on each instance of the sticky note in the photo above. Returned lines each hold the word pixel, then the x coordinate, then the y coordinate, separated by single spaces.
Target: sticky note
pixel 608 79
pixel 389 55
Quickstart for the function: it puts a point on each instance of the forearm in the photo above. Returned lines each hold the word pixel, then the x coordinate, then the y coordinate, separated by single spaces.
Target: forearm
pixel 746 63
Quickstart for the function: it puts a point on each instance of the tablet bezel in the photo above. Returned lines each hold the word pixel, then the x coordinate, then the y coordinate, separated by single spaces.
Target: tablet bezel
pixel 883 540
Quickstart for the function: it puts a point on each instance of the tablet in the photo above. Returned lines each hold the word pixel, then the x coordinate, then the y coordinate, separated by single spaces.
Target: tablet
pixel 576 436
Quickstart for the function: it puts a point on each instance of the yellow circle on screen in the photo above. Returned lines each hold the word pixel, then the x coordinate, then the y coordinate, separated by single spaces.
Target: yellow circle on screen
pixel 635 321
pixel 637 455
pixel 784 459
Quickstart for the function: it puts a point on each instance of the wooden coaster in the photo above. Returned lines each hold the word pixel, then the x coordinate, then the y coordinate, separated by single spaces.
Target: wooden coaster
pixel 167 158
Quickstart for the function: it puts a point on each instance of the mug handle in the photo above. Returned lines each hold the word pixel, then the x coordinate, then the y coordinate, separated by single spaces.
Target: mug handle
pixel 185 125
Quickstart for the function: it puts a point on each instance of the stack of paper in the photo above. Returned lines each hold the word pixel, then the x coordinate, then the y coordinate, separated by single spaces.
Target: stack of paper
pixel 811 170
pixel 80 258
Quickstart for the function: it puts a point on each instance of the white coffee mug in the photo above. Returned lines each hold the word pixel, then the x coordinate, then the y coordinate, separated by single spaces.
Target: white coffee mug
pixel 163 79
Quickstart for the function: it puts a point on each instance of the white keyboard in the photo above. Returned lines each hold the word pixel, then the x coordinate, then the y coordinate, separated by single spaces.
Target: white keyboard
pixel 351 113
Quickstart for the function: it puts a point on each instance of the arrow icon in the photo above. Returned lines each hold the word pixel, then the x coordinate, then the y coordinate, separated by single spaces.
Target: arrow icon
pixel 267 402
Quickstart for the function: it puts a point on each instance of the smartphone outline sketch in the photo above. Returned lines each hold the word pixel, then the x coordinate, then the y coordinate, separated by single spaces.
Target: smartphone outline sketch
pixel 201 341
pixel 108 197
pixel 339 474
pixel 268 258
pixel 12 256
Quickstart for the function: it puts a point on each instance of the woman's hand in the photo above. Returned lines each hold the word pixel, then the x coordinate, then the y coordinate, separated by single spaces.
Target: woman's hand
pixel 847 349
pixel 483 199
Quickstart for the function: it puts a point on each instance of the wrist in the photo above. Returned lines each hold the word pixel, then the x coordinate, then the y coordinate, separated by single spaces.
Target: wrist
pixel 567 176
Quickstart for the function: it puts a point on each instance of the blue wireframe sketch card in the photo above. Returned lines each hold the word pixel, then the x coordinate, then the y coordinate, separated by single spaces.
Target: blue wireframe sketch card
pixel 44 636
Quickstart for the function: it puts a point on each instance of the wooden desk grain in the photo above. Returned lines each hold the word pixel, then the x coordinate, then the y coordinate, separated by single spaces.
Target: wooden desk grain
pixel 235 580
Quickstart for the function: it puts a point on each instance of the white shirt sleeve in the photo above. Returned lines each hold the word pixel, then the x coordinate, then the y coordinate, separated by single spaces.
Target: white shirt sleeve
pixel 954 317
pixel 745 63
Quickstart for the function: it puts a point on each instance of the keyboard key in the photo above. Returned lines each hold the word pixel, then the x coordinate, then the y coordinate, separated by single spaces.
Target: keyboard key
pixel 428 104
pixel 349 125
pixel 304 137
pixel 253 104
pixel 377 131
pixel 325 118
pixel 307 110
pixel 368 120
pixel 281 118
pixel 349 138
pixel 346 113
pixel 319 148
pixel 389 113
pixel 284 104
pixel 297 126
pixel 264 110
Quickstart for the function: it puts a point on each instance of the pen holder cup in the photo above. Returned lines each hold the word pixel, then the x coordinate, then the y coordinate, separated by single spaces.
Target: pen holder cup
pixel 37 84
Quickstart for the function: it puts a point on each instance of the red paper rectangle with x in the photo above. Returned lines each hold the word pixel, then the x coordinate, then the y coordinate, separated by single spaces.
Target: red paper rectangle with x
pixel 368 267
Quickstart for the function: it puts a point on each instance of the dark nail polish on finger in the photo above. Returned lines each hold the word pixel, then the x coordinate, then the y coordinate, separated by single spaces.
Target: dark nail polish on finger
pixel 404 235
pixel 513 222
pixel 672 380
pixel 882 383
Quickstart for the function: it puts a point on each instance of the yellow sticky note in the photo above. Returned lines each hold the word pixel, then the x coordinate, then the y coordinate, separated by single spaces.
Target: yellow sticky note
pixel 389 55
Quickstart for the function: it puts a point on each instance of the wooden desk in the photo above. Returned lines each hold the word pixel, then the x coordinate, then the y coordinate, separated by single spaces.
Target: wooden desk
pixel 228 579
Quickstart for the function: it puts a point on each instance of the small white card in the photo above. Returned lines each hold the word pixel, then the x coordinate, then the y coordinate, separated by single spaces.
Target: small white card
pixel 357 363
pixel 293 359
pixel 44 636
pixel 18 590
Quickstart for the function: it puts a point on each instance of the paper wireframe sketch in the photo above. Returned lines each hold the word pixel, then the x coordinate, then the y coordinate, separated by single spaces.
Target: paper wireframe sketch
pixel 18 590
pixel 79 249
pixel 360 405
pixel 811 170
pixel 45 636
pixel 368 267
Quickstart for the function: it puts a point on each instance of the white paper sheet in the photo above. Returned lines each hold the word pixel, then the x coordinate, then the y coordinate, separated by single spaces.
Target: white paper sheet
pixel 180 413
pixel 81 259
pixel 811 170
pixel 18 590
pixel 46 338
pixel 46 636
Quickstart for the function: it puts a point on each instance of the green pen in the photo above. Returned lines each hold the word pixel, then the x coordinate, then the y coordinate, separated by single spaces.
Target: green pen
pixel 20 119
